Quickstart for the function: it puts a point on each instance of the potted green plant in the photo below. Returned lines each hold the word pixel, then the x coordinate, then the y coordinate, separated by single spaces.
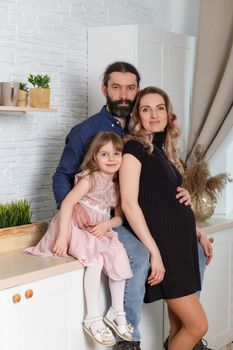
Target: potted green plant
pixel 39 95
pixel 203 187
pixel 16 229
pixel 23 95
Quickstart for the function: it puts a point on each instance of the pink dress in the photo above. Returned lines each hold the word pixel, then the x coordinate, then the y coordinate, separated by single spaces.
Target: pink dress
pixel 82 245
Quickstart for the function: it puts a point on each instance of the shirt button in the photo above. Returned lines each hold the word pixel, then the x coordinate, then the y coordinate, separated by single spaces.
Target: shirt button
pixel 112 125
pixel 118 122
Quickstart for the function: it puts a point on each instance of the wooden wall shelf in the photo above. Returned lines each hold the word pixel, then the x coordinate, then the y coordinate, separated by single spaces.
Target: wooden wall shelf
pixel 25 109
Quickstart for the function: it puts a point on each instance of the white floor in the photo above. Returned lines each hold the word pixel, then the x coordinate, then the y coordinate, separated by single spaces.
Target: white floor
pixel 227 347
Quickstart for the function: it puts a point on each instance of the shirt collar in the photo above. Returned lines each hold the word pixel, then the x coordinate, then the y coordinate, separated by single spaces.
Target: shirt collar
pixel 105 113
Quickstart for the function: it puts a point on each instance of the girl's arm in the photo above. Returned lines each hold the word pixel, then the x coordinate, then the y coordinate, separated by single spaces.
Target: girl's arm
pixel 129 186
pixel 118 218
pixel 79 190
pixel 103 227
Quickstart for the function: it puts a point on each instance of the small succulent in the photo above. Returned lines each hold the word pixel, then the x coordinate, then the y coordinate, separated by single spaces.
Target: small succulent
pixel 23 86
pixel 39 81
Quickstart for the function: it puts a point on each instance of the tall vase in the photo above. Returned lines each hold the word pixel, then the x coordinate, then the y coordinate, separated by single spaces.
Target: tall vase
pixel 203 206
pixel 9 93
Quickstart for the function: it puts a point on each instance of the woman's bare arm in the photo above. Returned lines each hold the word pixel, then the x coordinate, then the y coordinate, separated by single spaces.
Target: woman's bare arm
pixel 129 186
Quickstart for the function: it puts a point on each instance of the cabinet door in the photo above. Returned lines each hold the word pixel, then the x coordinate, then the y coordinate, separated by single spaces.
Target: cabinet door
pixel 2 334
pixel 180 67
pixel 152 47
pixel 49 319
pixel 217 293
pixel 151 326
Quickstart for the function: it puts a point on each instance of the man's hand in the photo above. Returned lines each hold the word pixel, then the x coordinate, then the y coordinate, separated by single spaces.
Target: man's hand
pixel 80 217
pixel 183 196
pixel 205 243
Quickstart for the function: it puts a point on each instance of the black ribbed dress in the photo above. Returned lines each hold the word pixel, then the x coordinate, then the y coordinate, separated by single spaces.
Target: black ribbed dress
pixel 171 223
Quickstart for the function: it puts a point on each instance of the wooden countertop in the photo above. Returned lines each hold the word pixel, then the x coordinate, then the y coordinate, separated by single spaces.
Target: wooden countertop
pixel 217 223
pixel 18 268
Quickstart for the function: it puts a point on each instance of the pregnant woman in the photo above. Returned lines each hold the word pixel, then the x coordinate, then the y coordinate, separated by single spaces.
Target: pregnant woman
pixel 150 181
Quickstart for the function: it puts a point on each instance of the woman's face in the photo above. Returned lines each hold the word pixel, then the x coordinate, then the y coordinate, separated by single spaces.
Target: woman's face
pixel 153 113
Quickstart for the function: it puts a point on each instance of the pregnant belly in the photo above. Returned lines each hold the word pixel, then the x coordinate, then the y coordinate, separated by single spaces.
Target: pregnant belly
pixel 185 217
pixel 171 219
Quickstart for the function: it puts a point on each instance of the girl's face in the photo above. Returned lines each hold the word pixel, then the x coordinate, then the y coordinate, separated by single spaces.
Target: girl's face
pixel 109 159
pixel 153 113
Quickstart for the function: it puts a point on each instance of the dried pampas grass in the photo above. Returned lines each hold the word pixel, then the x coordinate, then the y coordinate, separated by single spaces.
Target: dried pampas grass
pixel 197 176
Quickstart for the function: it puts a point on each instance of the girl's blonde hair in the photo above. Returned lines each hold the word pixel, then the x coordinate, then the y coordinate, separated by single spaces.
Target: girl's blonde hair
pixel 172 130
pixel 102 138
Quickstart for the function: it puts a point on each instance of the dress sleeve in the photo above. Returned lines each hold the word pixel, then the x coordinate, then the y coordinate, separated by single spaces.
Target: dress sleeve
pixel 136 148
pixel 82 175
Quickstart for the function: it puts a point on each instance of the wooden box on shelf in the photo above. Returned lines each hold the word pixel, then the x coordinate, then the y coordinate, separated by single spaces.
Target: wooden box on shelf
pixel 20 237
pixel 39 98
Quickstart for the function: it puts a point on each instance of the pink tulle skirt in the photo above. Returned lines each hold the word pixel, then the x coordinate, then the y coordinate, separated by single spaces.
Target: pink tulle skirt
pixel 87 248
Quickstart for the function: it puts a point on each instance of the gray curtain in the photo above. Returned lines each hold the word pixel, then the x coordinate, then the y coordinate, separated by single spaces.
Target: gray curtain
pixel 212 103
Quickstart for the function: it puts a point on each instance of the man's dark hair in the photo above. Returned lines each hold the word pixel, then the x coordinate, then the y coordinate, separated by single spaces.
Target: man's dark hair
pixel 119 66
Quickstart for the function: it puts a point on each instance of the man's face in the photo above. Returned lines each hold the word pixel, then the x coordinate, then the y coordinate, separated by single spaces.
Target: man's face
pixel 120 93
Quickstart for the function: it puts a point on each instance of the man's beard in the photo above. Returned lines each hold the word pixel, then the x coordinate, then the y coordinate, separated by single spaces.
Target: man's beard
pixel 117 109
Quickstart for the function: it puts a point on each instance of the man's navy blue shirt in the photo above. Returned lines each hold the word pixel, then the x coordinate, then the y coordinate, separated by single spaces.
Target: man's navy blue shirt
pixel 75 148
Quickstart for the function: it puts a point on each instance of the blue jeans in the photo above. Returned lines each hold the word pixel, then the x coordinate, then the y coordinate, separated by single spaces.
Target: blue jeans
pixel 139 258
pixel 202 263
pixel 135 286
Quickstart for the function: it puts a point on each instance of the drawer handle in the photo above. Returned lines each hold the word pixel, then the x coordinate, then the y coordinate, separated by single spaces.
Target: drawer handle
pixel 16 298
pixel 211 240
pixel 28 293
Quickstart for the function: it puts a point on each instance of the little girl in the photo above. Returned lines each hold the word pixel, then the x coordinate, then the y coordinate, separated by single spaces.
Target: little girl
pixel 96 247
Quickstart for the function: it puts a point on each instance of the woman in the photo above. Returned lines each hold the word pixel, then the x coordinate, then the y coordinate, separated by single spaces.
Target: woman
pixel 149 181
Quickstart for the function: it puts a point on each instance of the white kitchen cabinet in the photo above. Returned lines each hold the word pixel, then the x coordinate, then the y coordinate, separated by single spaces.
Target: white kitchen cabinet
pixel 217 293
pixel 51 318
pixel 51 315
pixel 163 59
pixel 151 326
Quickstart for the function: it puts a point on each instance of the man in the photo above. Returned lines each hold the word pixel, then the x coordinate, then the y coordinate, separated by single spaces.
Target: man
pixel 120 87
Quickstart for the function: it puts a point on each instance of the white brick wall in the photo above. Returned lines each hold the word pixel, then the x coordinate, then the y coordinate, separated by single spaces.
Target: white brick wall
pixel 50 36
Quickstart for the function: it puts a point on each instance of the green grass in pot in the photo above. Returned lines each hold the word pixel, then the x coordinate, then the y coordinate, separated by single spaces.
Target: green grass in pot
pixel 16 213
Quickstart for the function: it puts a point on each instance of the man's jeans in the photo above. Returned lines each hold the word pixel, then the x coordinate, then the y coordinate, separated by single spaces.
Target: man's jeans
pixel 135 287
pixel 202 264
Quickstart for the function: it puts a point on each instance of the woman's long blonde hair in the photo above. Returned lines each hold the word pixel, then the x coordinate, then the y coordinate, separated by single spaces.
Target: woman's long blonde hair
pixel 172 130
pixel 89 163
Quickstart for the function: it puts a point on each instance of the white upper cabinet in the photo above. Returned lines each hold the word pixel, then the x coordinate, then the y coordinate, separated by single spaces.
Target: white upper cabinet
pixel 163 59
